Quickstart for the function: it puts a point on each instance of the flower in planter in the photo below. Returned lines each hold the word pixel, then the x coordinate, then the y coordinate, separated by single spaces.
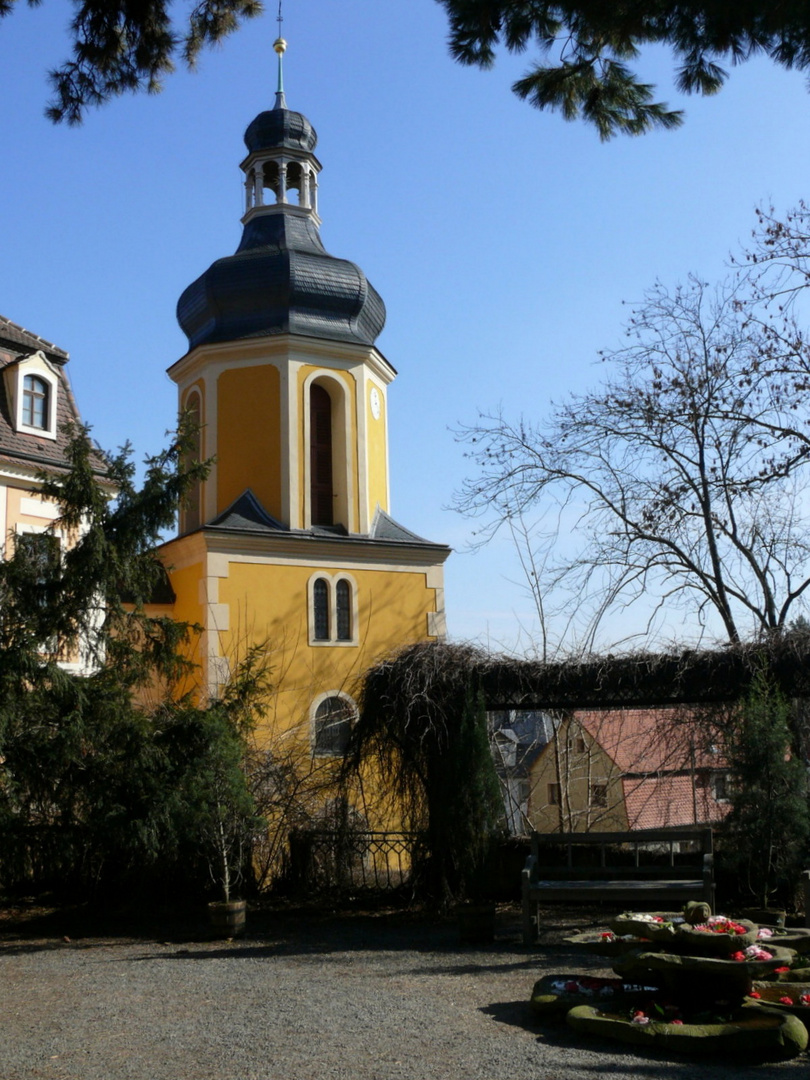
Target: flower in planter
pixel 764 932
pixel 756 952
pixel 640 1018
pixel 719 924
pixel 786 1000
pixel 755 994
pixel 676 1022
pixel 781 970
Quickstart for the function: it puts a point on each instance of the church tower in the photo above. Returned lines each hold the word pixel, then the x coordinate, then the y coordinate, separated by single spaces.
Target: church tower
pixel 290 540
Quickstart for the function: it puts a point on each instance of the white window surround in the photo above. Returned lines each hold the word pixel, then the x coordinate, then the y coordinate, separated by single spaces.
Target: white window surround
pixel 313 710
pixel 331 582
pixel 40 368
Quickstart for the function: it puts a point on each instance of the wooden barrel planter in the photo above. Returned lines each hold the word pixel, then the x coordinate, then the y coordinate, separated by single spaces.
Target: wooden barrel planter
pixel 226 918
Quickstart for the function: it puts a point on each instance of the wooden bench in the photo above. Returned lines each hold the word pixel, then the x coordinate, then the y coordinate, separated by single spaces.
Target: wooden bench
pixel 646 870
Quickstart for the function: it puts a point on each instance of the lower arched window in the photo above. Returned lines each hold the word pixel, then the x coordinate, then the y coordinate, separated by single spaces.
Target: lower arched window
pixel 332 725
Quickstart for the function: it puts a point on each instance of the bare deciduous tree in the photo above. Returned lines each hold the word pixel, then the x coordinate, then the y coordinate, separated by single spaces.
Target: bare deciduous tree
pixel 683 475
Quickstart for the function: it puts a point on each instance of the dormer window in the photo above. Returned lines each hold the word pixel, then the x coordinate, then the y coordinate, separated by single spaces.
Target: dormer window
pixel 31 389
pixel 35 402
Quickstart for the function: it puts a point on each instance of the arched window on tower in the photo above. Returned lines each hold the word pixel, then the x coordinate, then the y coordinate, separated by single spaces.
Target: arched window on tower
pixel 192 505
pixel 320 450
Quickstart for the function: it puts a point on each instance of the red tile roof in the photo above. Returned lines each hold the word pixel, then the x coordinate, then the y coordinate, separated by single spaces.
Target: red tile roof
pixel 650 740
pixel 658 802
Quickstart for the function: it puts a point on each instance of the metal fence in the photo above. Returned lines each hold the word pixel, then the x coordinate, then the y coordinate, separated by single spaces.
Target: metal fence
pixel 329 860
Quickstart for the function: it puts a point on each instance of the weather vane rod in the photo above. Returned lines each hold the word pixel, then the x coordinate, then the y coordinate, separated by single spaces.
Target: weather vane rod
pixel 279 46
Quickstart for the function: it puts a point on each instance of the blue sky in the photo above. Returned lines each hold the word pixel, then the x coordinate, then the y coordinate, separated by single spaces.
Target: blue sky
pixel 504 241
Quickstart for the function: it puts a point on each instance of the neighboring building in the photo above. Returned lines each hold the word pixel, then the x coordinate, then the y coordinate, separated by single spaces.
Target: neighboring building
pixel 36 404
pixel 620 769
pixel 516 738
pixel 290 539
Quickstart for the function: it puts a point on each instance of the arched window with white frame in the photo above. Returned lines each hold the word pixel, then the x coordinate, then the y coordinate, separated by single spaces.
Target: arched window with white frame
pixel 332 609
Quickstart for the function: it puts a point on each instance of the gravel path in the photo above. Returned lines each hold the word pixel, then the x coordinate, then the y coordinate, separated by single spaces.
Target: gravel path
pixel 304 999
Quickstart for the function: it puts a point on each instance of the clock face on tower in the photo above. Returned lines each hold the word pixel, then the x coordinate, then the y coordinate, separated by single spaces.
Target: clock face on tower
pixel 374 401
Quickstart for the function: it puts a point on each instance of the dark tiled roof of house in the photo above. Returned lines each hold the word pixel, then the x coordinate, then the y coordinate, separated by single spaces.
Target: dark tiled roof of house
pixel 24 448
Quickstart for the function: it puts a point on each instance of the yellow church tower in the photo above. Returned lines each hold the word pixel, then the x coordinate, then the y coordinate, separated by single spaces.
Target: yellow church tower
pixel 290 540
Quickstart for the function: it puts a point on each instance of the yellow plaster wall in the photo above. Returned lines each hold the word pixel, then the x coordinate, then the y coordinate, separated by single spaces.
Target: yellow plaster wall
pixel 186 576
pixel 574 769
pixel 377 455
pixel 268 602
pixel 249 436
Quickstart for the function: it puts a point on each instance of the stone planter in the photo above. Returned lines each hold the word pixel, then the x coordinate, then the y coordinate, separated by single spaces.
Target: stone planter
pixel 614 946
pixel 766 916
pixel 647 926
pixel 769 994
pixel 226 918
pixel 554 995
pixel 797 938
pixel 700 979
pixel 752 1032
pixel 706 943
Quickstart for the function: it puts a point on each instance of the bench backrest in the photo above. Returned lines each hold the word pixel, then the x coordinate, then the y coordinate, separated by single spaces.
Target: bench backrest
pixel 683 849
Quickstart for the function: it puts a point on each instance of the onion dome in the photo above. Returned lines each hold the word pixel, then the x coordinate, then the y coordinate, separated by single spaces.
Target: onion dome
pixel 281 278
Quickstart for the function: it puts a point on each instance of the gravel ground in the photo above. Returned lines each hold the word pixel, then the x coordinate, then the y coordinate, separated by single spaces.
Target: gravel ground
pixel 304 998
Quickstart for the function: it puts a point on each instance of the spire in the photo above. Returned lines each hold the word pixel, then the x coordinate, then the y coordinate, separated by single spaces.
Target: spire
pixel 280 46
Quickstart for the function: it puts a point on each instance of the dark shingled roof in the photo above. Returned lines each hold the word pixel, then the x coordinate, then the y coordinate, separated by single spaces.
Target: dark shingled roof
pixel 20 447
pixel 23 448
pixel 246 514
pixel 281 127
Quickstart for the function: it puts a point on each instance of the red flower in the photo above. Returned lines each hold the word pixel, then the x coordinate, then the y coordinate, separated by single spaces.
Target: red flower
pixel 676 1021
pixel 755 994
pixel 572 987
pixel 786 1000
pixel 780 970
pixel 737 956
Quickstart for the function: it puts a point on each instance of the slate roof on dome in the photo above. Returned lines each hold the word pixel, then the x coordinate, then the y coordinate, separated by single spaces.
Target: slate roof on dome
pixel 280 128
pixel 281 279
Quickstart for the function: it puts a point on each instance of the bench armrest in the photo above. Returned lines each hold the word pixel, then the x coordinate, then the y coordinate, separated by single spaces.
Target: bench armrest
pixel 527 875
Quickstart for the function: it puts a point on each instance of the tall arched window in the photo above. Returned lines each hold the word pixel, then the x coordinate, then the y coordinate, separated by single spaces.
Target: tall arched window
pixel 343 604
pixel 320 608
pixel 35 404
pixel 320 451
pixel 332 725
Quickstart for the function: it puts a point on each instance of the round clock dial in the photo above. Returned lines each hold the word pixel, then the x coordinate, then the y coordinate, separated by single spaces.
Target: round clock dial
pixel 374 400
